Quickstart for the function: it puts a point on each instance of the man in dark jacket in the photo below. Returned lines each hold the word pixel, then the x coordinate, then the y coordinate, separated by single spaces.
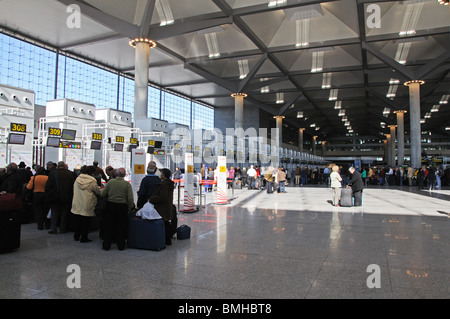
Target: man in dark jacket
pixel 357 186
pixel 148 185
pixel 59 194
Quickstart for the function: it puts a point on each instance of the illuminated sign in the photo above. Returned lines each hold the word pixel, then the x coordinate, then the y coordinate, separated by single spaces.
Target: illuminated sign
pixel 120 139
pixel 97 136
pixel 71 145
pixel 15 127
pixel 54 131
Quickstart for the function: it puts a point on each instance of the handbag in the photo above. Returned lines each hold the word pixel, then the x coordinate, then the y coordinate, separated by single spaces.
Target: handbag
pixel 183 232
pixel 10 202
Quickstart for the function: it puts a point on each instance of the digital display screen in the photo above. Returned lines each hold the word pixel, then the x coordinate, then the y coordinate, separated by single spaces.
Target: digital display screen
pixel 68 135
pixel 155 144
pixel 118 147
pixel 155 151
pixel 15 138
pixel 131 147
pixel 72 145
pixel 96 145
pixel 53 141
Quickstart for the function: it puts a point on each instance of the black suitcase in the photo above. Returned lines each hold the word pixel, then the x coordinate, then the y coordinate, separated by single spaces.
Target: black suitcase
pixel 346 197
pixel 10 228
pixel 146 234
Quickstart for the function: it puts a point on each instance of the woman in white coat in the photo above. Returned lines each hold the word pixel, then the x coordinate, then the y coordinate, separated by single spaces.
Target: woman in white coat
pixel 335 179
pixel 85 193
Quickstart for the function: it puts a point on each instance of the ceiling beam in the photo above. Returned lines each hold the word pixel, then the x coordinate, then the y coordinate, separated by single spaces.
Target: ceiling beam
pixel 245 82
pixel 147 18
pixel 288 104
pixel 389 61
pixel 157 33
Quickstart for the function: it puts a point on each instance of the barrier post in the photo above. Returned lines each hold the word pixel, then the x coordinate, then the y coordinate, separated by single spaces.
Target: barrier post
pixel 222 181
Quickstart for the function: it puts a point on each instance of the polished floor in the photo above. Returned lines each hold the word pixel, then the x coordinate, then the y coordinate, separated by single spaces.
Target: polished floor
pixel 276 246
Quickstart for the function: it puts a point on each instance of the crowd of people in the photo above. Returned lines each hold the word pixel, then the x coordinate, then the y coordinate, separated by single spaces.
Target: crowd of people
pixel 425 177
pixel 61 197
pixel 76 200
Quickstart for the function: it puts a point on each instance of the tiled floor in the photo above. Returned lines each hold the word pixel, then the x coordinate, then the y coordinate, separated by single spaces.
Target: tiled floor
pixel 293 245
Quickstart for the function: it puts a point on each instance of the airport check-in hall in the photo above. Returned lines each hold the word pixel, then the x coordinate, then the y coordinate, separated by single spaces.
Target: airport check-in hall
pixel 224 150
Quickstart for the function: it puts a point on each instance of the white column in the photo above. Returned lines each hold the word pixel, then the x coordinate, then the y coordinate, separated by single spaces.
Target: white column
pixel 142 55
pixel 415 131
pixel 401 136
pixel 392 145
pixel 388 149
pixel 314 139
pixel 300 139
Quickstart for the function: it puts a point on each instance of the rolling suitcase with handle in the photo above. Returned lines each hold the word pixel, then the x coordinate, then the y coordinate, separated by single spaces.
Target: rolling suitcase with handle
pixel 146 234
pixel 10 222
pixel 346 197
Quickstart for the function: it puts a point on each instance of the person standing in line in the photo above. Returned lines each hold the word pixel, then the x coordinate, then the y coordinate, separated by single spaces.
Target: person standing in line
pixel 177 175
pixel 37 184
pixel 59 194
pixel 281 179
pixel 162 199
pixel 409 175
pixel 268 176
pixel 297 175
pixel 85 193
pixel 336 183
pixel 357 186
pixel 304 174
pixel 148 185
pixel 120 201
pixel 251 176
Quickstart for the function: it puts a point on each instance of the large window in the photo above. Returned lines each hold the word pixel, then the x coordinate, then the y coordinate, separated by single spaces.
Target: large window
pixel 176 109
pixel 126 95
pixel 154 102
pixel 51 75
pixel 84 82
pixel 202 117
pixel 28 66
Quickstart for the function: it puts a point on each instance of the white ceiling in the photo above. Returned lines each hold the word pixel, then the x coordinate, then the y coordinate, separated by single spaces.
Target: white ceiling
pixel 262 40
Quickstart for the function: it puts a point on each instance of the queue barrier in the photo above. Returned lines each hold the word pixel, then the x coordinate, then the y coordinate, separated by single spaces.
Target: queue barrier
pixel 203 182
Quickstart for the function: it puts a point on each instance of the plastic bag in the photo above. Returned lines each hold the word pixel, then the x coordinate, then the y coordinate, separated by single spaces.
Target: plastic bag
pixel 148 211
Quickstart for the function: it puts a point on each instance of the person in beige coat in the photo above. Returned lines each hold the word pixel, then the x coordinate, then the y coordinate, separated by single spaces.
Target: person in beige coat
pixel 85 192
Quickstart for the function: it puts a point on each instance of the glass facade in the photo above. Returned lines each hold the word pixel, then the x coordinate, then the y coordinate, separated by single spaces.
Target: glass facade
pixel 28 66
pixel 55 76
pixel 84 82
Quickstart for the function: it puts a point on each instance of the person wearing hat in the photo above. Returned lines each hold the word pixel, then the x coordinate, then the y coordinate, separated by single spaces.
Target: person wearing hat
pixel 25 175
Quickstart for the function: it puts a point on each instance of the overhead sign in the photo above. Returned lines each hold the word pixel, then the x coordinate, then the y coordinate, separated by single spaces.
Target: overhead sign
pixel 54 131
pixel 72 145
pixel 97 136
pixel 16 127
